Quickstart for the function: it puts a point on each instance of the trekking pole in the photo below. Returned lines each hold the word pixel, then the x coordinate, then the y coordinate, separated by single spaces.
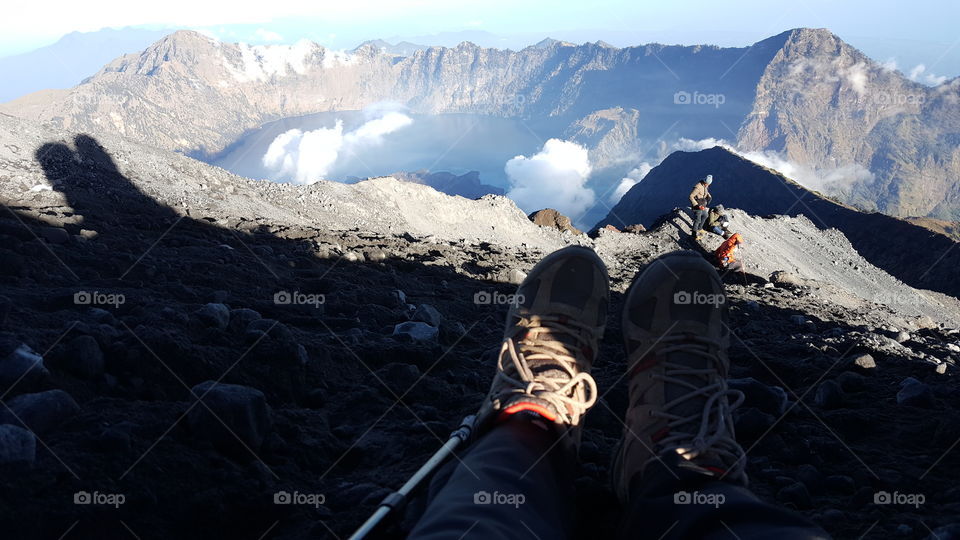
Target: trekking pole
pixel 397 498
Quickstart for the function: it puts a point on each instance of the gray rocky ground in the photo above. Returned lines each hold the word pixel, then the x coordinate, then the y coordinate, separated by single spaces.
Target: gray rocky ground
pixel 353 326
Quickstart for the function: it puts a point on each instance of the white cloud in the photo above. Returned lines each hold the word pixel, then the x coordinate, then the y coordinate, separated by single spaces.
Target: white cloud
pixel 890 64
pixel 307 157
pixel 554 178
pixel 919 74
pixel 262 34
pixel 633 178
pixel 856 77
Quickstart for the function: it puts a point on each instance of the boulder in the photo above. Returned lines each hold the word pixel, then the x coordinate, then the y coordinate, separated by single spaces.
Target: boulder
pixel 783 278
pixel 915 393
pixel 635 229
pixel 22 366
pixel 17 445
pixel 864 361
pixel 55 235
pixel 829 395
pixel 229 414
pixel 83 358
pixel 548 217
pixel 416 331
pixel 428 314
pixel 41 412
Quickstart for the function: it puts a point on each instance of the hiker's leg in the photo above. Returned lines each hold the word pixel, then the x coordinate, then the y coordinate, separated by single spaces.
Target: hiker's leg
pixel 673 502
pixel 701 218
pixel 514 482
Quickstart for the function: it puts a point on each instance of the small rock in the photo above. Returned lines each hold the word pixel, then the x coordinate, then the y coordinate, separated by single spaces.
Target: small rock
pixel 840 483
pixel 903 337
pixel 770 399
pixel 400 377
pixel 829 395
pixel 352 256
pixel 228 412
pixel 23 365
pixel 87 234
pixel 798 320
pixel 428 314
pixel 375 255
pixel 797 494
pixel 17 446
pixel 941 368
pixel 947 532
pixel 810 476
pixel 274 329
pixel 635 229
pixel 417 331
pixel 513 276
pixel 41 412
pixel 752 423
pixel 851 381
pixel 84 358
pixel 55 235
pixel 952 347
pixel 215 314
pixel 115 439
pixel 864 361
pixel 915 394
pixel 781 277
pixel 241 318
pixel 400 297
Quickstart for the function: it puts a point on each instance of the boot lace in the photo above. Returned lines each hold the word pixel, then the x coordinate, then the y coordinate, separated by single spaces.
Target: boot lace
pixel 709 432
pixel 559 383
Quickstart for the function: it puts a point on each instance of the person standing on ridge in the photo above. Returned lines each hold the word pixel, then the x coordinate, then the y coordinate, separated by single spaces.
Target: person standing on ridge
pixel 699 199
pixel 725 253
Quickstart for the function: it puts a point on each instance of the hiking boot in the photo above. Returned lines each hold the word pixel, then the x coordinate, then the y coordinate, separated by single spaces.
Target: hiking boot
pixel 676 337
pixel 550 342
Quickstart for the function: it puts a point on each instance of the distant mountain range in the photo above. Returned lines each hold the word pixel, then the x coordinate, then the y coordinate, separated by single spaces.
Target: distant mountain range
pixel 879 140
pixel 71 59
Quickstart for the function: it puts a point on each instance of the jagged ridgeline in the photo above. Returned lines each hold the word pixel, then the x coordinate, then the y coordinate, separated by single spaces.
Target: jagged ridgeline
pixel 804 93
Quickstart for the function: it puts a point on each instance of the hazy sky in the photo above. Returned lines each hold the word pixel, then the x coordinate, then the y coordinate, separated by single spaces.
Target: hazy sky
pixel 914 32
